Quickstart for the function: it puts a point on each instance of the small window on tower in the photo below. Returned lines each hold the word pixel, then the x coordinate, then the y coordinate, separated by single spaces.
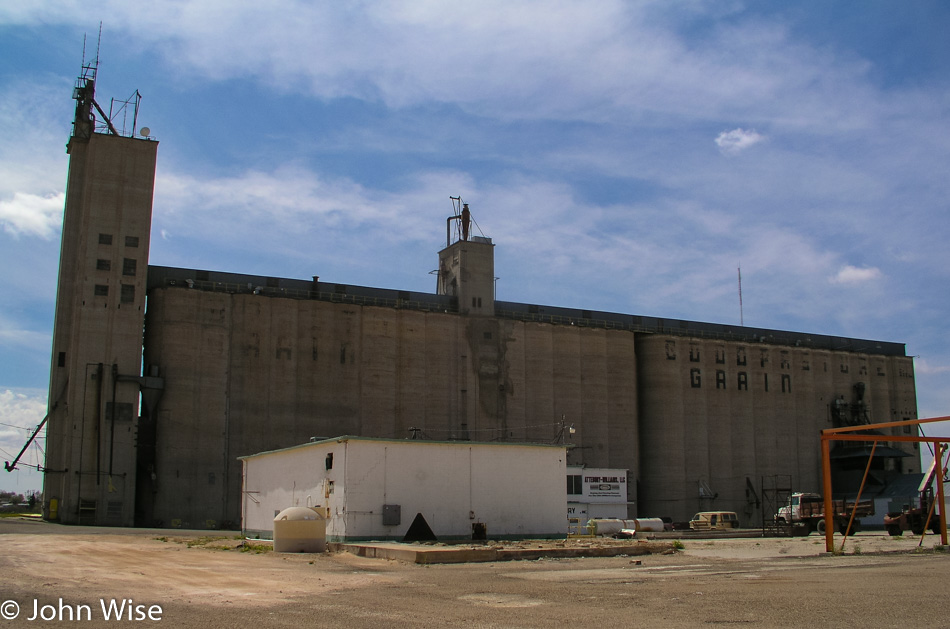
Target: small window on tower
pixel 128 293
pixel 103 265
pixel 131 241
pixel 128 266
pixel 101 290
pixel 105 239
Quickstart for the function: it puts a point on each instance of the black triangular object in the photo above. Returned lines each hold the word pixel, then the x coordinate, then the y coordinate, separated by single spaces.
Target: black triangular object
pixel 419 531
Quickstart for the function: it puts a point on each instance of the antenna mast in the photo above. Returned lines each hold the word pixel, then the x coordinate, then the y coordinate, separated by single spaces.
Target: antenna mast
pixel 741 318
pixel 84 93
pixel 463 217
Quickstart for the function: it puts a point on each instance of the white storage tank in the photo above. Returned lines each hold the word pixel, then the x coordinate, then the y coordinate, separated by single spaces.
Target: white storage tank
pixel 611 526
pixel 649 525
pixel 300 530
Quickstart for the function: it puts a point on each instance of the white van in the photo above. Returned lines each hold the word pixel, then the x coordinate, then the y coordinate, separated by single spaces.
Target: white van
pixel 714 521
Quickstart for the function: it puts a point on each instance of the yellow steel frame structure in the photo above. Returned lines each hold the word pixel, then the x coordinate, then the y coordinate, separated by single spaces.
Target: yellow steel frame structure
pixel 852 433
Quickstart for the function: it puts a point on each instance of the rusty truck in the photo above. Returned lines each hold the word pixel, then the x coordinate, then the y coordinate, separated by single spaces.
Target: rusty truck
pixel 914 515
pixel 805 512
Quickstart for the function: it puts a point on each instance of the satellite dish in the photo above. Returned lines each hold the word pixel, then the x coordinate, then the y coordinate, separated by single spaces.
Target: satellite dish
pixel 144 132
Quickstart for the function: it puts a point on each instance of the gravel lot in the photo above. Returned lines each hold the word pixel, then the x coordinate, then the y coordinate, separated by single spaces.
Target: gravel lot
pixel 195 581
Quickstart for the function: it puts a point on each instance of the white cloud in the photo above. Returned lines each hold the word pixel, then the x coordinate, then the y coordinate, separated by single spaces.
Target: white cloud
pixel 854 275
pixel 609 60
pixel 288 200
pixel 922 366
pixel 297 222
pixel 32 161
pixel 735 141
pixel 12 334
pixel 32 215
pixel 21 411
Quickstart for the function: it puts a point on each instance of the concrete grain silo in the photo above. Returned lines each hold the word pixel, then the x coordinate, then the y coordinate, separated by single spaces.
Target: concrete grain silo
pixel 235 364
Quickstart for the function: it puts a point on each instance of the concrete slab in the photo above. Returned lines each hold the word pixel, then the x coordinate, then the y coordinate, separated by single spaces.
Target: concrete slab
pixel 439 554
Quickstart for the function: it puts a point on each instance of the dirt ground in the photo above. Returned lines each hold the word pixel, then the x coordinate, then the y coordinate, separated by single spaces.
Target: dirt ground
pixel 196 581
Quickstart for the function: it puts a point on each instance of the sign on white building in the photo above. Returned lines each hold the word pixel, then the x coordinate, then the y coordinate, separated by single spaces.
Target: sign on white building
pixel 391 489
pixel 596 493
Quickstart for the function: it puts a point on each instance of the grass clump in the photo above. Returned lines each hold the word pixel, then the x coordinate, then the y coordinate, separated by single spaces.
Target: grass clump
pixel 257 549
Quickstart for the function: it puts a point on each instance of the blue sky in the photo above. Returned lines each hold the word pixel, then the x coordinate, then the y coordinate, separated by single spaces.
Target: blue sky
pixel 623 156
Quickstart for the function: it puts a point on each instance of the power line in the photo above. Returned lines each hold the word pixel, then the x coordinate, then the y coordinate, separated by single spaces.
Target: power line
pixel 15 426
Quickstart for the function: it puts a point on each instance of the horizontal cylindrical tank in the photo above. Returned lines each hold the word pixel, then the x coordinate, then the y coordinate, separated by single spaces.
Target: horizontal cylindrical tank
pixel 300 530
pixel 611 526
pixel 649 525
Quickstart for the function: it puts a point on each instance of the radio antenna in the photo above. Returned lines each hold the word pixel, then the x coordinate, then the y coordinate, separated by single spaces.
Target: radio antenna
pixel 741 318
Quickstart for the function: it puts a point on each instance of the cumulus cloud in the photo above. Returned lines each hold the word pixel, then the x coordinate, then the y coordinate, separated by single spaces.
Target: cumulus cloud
pixel 922 366
pixel 21 412
pixel 609 60
pixel 286 212
pixel 32 161
pixel 32 215
pixel 854 275
pixel 738 140
pixel 289 200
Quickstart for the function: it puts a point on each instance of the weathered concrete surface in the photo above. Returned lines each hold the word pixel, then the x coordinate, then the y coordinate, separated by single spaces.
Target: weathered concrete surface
pixel 246 374
pixel 878 582
pixel 97 334
pixel 428 554
pixel 716 417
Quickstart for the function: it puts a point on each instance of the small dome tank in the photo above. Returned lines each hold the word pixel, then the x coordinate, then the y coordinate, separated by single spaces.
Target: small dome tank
pixel 300 530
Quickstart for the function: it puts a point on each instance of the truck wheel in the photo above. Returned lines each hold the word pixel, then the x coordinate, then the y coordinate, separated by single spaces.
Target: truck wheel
pixel 918 529
pixel 935 527
pixel 894 530
pixel 844 530
pixel 820 526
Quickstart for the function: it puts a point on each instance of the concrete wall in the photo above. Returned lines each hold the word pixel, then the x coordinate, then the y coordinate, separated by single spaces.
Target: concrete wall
pixel 698 422
pixel 515 490
pixel 97 335
pixel 467 272
pixel 716 417
pixel 248 373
